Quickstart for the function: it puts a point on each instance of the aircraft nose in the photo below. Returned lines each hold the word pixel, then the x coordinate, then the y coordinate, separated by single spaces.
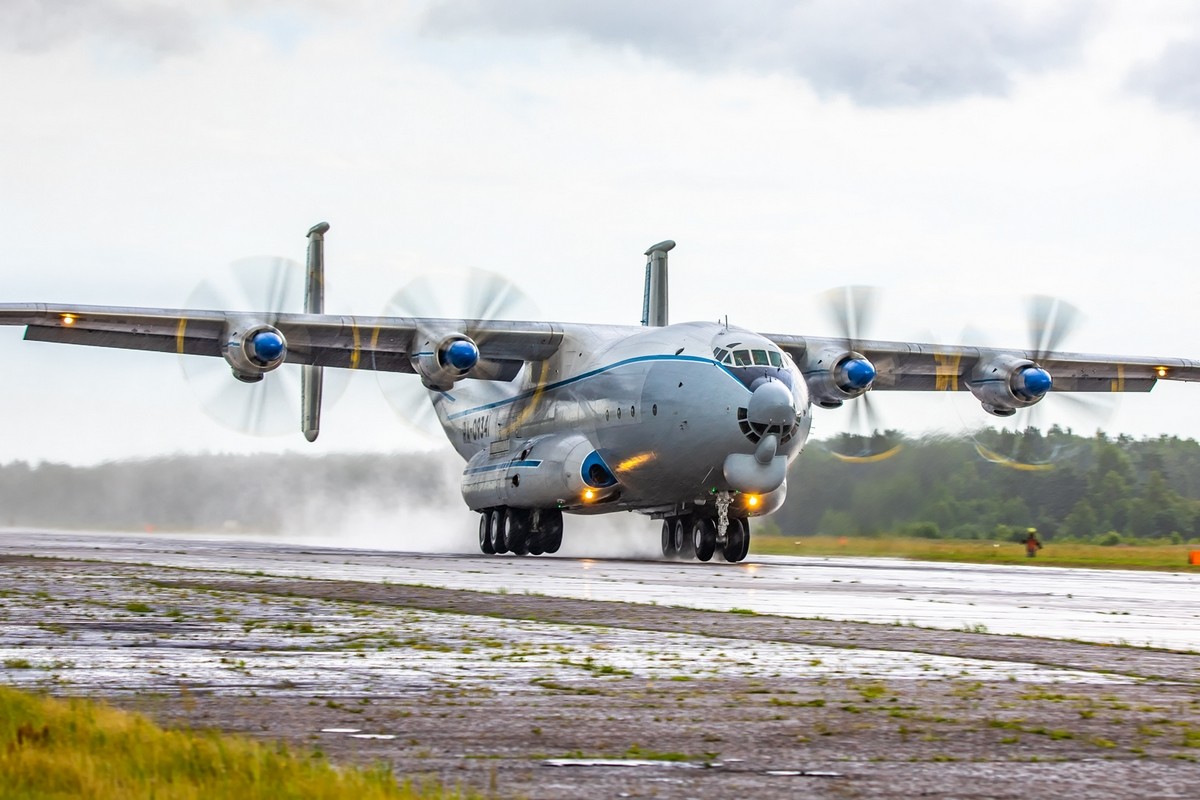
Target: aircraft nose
pixel 771 404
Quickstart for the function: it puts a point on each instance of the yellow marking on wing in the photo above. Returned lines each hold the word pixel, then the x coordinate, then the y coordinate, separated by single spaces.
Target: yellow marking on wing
pixel 1005 461
pixel 946 371
pixel 1118 383
pixel 528 410
pixel 871 459
pixel 179 335
pixel 356 353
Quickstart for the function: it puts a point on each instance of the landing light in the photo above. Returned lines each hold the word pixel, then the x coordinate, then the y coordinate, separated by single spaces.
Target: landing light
pixel 1161 371
pixel 68 319
pixel 752 500
pixel 588 494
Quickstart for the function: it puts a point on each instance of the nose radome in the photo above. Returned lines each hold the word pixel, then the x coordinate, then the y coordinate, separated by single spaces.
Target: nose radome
pixel 771 404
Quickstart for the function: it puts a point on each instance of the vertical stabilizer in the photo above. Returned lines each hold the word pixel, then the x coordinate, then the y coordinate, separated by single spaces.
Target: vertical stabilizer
pixel 311 378
pixel 654 301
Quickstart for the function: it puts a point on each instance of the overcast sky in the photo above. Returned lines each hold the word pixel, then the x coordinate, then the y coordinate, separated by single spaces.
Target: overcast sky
pixel 961 155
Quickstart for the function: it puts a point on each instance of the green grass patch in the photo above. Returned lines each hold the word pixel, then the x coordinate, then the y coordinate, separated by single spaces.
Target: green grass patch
pixel 1153 557
pixel 77 748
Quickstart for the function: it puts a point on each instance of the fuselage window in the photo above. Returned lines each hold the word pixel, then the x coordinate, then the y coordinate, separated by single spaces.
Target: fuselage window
pixel 618 413
pixel 776 358
pixel 760 358
pixel 741 358
pixel 654 410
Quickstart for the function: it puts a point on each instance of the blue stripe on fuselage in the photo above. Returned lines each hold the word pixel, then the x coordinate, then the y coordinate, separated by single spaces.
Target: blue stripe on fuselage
pixel 505 465
pixel 568 381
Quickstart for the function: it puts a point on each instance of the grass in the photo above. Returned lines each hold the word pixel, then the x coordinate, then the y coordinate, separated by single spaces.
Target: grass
pixel 1153 557
pixel 75 748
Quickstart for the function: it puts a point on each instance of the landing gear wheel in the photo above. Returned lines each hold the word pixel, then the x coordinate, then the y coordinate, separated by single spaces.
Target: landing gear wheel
pixel 737 540
pixel 485 533
pixel 497 530
pixel 550 523
pixel 668 538
pixel 683 541
pixel 704 538
pixel 516 537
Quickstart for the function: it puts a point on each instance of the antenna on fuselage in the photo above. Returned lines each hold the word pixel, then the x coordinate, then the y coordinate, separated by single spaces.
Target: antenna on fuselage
pixel 654 300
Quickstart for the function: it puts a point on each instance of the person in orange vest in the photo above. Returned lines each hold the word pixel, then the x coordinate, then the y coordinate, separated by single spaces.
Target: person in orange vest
pixel 1032 545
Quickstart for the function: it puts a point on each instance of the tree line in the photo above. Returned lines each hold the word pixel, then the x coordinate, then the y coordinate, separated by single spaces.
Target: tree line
pixel 984 485
pixel 999 484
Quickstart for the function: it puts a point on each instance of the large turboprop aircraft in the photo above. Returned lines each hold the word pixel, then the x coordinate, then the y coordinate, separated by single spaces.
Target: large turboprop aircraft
pixel 692 423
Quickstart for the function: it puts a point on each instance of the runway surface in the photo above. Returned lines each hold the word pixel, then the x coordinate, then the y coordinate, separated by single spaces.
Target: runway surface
pixel 582 678
pixel 1154 609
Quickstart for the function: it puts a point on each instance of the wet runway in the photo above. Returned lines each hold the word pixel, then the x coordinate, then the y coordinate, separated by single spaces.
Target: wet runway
pixel 586 678
pixel 1109 606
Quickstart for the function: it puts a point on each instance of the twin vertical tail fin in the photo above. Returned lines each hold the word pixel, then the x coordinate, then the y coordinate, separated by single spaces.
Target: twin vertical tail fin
pixel 654 301
pixel 311 377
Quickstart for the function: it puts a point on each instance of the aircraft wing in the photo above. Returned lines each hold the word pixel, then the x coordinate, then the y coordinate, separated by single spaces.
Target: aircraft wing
pixel 372 343
pixel 911 366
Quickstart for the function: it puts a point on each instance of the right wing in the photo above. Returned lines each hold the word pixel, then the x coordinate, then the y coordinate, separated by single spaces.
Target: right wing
pixel 372 343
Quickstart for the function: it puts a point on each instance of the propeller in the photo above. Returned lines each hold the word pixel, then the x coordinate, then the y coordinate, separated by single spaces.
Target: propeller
pixel 269 285
pixel 851 310
pixel 1050 321
pixel 468 294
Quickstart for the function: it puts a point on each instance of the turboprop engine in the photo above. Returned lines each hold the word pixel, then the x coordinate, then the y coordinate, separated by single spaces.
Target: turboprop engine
pixel 835 376
pixel 560 471
pixel 443 360
pixel 1006 383
pixel 253 349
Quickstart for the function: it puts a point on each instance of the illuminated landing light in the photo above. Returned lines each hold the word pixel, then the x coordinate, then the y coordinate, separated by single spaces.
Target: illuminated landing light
pixel 588 494
pixel 68 319
pixel 752 500
pixel 1160 372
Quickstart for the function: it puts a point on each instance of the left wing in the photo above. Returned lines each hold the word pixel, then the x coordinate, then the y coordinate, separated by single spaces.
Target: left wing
pixel 1003 380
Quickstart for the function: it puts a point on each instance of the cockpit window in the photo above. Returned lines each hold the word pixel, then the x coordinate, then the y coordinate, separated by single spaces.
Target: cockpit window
pixel 760 358
pixel 741 358
pixel 776 358
pixel 719 353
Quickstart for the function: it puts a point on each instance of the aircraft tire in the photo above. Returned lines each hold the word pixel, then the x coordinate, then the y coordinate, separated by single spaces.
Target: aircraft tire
pixel 737 542
pixel 485 533
pixel 551 524
pixel 516 531
pixel 683 542
pixel 704 538
pixel 668 538
pixel 496 531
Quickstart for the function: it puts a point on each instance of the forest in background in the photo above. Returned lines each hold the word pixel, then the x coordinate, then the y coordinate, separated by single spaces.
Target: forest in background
pixel 1070 488
pixel 1092 489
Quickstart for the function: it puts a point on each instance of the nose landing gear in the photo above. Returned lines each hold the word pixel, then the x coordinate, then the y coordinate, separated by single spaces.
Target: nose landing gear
pixel 697 536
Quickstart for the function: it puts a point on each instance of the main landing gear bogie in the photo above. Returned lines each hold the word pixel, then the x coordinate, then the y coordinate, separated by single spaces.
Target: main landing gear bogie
pixel 695 536
pixel 520 531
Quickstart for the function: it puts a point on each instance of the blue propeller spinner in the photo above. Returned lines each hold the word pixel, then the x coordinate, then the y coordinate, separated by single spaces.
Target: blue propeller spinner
pixel 462 355
pixel 266 347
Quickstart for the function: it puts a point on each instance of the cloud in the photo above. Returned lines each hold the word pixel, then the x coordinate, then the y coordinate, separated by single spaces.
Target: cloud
pixel 901 52
pixel 144 25
pixel 1172 79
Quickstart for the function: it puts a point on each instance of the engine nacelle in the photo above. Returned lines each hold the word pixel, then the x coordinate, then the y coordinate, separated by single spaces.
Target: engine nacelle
pixel 441 361
pixel 835 376
pixel 562 471
pixel 253 349
pixel 1006 383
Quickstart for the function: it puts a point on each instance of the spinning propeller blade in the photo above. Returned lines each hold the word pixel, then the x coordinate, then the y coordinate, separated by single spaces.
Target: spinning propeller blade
pixel 268 285
pixel 851 309
pixel 467 294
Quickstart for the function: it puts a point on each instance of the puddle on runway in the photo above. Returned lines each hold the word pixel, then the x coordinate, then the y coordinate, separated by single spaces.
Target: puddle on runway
pixel 71 630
